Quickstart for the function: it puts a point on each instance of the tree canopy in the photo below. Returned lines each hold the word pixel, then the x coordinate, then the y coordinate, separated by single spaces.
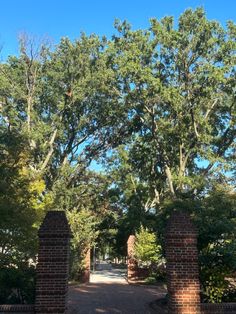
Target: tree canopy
pixel 153 109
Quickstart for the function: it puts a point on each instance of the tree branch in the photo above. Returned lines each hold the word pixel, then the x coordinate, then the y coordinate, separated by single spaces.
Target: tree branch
pixel 210 109
pixel 194 123
pixel 50 152
pixel 170 179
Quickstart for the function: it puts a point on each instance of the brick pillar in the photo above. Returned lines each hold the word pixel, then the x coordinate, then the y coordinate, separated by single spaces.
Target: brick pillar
pixel 53 264
pixel 131 262
pixel 86 272
pixel 182 265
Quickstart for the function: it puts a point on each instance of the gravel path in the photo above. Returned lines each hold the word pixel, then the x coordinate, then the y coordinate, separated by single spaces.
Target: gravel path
pixel 109 292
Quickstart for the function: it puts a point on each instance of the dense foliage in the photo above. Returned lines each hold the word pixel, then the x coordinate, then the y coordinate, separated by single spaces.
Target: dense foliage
pixel 153 109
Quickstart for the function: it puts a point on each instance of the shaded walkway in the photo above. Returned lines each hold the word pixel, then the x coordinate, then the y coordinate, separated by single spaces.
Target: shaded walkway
pixel 109 292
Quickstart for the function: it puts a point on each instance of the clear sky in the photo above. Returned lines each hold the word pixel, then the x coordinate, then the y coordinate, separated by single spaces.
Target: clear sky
pixel 57 18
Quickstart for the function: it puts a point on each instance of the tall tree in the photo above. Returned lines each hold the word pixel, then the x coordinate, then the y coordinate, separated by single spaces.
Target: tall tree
pixel 58 103
pixel 178 88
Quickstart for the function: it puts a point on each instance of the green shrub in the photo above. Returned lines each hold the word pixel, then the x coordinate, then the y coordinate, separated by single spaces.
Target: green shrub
pixel 214 284
pixel 160 273
pixel 146 250
pixel 17 285
pixel 230 295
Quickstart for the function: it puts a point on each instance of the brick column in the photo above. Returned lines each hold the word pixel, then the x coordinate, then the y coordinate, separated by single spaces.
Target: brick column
pixel 182 265
pixel 131 262
pixel 53 264
pixel 86 272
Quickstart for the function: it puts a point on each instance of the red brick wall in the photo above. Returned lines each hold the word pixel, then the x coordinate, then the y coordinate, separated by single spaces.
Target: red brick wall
pixel 138 273
pixel 53 264
pixel 222 308
pixel 17 308
pixel 182 265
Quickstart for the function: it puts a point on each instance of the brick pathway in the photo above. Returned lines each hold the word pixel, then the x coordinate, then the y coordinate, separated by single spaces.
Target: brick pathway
pixel 109 292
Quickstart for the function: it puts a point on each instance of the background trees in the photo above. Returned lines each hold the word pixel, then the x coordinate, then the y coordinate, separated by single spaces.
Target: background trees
pixel 49 120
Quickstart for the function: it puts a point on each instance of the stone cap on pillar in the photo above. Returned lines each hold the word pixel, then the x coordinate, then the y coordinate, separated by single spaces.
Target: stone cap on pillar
pixel 180 224
pixel 55 224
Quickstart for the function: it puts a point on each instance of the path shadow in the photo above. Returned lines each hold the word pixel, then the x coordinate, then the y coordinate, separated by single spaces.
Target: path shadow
pixel 112 298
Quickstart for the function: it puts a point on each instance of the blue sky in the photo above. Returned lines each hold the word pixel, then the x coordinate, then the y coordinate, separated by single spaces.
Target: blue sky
pixel 57 18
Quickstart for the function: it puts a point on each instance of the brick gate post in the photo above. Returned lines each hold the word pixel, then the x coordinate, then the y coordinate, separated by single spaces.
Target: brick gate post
pixel 53 264
pixel 131 262
pixel 182 265
pixel 87 265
